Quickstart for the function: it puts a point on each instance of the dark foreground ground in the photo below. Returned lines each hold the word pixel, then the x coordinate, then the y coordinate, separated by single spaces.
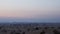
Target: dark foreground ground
pixel 29 28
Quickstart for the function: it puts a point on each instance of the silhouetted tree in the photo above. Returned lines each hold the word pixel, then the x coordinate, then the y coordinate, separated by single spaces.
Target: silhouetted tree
pixel 36 28
pixel 0 27
pixel 58 27
pixel 52 27
pixel 46 27
pixel 56 32
pixel 43 32
pixel 23 33
pixel 17 33
pixel 28 29
pixel 3 30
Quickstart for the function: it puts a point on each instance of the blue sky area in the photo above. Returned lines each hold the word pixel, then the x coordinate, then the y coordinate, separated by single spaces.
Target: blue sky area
pixel 29 10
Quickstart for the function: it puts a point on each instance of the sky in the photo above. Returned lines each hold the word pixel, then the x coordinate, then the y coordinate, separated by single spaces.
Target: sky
pixel 29 10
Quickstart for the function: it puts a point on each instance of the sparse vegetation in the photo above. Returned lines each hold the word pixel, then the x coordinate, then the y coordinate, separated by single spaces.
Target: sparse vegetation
pixel 28 29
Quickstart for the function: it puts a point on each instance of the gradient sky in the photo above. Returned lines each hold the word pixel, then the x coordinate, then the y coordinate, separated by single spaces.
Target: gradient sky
pixel 30 10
